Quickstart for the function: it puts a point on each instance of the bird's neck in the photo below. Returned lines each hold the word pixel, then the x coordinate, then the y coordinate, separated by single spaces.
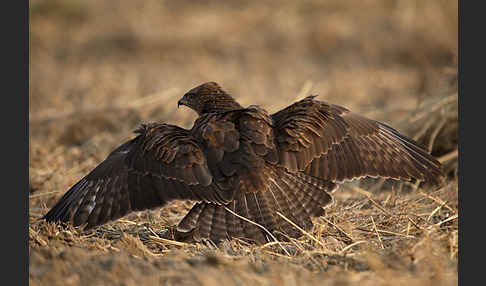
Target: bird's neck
pixel 225 103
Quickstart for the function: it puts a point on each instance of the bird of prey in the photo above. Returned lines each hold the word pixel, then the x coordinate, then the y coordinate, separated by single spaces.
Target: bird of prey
pixel 243 166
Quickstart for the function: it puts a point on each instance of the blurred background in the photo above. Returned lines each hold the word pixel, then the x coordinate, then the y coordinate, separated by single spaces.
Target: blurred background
pixel 98 68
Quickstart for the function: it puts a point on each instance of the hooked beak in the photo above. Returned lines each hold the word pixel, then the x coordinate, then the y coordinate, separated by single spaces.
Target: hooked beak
pixel 180 102
pixel 184 101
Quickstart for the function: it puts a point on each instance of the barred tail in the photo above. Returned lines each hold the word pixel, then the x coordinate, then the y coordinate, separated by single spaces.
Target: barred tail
pixel 296 196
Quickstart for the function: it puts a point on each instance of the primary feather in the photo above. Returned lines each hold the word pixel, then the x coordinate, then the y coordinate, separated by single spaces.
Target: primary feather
pixel 243 161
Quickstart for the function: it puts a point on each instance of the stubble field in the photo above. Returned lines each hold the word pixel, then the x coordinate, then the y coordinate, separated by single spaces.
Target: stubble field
pixel 100 68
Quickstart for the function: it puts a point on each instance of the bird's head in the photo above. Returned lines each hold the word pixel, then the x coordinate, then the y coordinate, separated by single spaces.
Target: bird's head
pixel 208 97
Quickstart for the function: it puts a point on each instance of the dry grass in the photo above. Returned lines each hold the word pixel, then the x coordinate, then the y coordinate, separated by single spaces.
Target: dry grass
pixel 99 68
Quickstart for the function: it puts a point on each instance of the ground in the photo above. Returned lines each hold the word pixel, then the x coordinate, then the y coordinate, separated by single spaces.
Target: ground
pixel 100 68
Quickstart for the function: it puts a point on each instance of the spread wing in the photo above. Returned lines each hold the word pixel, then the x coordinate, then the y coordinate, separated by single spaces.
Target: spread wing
pixel 163 163
pixel 330 142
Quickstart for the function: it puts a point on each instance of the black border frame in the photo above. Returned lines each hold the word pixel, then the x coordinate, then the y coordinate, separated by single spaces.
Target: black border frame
pixel 15 203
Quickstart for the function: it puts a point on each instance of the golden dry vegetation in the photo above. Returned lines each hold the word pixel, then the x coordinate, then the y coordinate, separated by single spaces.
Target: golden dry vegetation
pixel 99 68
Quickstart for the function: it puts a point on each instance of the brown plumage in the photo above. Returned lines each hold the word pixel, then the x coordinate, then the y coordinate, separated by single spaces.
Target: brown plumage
pixel 244 161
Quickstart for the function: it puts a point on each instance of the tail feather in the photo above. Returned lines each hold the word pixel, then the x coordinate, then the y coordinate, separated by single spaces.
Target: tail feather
pixel 299 212
pixel 315 192
pixel 205 220
pixel 265 210
pixel 296 196
pixel 243 209
pixel 282 204
pixel 189 222
pixel 218 226
pixel 234 227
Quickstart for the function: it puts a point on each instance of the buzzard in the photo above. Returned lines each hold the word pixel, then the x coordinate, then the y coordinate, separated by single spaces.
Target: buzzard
pixel 243 166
